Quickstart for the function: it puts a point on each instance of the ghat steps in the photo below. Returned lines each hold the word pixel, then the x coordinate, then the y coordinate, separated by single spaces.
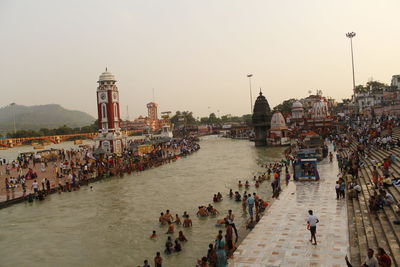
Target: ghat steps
pixel 367 229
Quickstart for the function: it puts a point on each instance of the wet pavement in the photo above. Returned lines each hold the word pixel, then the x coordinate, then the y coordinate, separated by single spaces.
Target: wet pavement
pixel 281 237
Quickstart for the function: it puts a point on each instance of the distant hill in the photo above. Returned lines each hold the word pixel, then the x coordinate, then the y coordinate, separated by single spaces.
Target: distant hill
pixel 43 116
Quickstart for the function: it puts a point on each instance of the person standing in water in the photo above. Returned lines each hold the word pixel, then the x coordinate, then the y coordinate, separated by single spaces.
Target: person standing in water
pixel 250 203
pixel 158 260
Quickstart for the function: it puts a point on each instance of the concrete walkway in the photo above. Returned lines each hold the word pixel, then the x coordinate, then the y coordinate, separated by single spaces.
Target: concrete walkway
pixel 281 237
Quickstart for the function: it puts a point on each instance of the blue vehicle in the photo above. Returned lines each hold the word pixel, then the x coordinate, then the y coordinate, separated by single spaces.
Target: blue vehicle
pixel 305 166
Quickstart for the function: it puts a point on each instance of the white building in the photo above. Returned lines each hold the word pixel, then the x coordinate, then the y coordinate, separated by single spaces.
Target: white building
pixel 366 100
pixel 395 81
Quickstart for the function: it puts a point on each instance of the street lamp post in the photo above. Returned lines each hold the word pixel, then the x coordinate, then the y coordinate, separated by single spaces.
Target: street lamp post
pixel 251 96
pixel 350 35
pixel 13 111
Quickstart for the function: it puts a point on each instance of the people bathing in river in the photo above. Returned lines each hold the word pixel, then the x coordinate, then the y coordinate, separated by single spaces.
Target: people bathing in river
pixel 168 216
pixel 177 246
pixel 170 228
pixel 187 222
pixel 146 263
pixel 158 260
pixel 182 237
pixel 240 184
pixel 162 218
pixel 177 220
pixel 202 212
pixel 211 210
pixel 153 235
pixel 169 246
pixel 237 196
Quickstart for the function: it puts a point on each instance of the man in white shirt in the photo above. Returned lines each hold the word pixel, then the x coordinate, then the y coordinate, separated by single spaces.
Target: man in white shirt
pixel 35 187
pixel 312 222
pixel 389 200
pixel 371 261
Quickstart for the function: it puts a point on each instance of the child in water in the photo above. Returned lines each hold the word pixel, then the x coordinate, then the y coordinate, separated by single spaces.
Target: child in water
pixel 153 235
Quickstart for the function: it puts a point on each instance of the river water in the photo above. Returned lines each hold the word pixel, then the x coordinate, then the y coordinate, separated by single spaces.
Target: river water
pixel 111 224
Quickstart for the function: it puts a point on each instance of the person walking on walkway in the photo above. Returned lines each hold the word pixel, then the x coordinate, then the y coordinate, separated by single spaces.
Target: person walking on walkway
pixel 312 222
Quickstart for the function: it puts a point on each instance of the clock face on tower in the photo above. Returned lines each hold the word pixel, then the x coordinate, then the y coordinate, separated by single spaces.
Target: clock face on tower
pixel 115 96
pixel 103 96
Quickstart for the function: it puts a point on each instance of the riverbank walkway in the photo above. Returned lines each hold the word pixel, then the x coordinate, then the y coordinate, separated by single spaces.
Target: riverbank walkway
pixel 281 237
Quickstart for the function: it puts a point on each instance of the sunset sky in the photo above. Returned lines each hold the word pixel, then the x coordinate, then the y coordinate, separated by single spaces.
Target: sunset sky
pixel 195 54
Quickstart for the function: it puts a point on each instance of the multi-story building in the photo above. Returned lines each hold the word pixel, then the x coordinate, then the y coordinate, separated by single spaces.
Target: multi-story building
pixel 153 121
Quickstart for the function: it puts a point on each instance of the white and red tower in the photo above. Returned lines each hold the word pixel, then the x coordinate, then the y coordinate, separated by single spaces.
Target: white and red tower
pixel 110 138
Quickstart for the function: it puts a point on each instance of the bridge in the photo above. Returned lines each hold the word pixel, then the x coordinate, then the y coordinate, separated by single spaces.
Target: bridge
pixel 55 139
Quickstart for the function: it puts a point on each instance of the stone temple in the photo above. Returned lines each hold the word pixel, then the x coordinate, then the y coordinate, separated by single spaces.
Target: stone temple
pixel 261 120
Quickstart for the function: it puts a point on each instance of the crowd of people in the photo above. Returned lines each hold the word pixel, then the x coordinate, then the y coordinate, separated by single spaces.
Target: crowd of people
pixel 368 134
pixel 62 170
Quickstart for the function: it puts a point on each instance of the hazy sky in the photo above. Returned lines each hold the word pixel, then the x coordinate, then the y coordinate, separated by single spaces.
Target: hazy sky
pixel 195 54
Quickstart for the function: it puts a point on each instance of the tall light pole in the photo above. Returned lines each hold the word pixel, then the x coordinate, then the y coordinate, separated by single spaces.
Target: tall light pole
pixel 251 96
pixel 350 35
pixel 13 111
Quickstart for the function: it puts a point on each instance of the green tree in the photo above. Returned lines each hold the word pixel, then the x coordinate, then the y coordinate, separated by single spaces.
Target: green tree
pixel 204 120
pixel 184 117
pixel 285 107
pixel 212 118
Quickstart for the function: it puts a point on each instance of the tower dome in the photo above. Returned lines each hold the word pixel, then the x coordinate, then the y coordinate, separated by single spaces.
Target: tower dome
pixel 107 76
pixel 261 120
pixel 261 111
pixel 297 105
pixel 319 109
pixel 278 122
pixel 297 110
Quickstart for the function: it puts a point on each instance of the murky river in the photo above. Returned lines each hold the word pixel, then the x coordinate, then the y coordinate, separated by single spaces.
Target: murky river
pixel 111 225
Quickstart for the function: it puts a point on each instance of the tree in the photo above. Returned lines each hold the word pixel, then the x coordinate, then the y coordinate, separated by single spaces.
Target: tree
pixel 204 120
pixel 285 107
pixel 184 117
pixel 247 118
pixel 175 118
pixel 212 118
pixel 360 89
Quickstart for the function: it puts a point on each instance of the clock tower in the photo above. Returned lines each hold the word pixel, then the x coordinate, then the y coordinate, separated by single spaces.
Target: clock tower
pixel 110 138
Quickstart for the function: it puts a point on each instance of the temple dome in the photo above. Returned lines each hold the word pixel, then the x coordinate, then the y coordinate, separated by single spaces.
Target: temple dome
pixel 278 122
pixel 261 111
pixel 297 105
pixel 107 76
pixel 319 109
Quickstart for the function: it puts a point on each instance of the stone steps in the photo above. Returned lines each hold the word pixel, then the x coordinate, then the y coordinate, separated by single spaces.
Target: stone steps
pixel 384 233
pixel 355 255
pixel 373 230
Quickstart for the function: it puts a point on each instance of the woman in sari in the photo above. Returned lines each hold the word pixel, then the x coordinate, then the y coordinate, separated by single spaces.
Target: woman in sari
pixel 221 254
